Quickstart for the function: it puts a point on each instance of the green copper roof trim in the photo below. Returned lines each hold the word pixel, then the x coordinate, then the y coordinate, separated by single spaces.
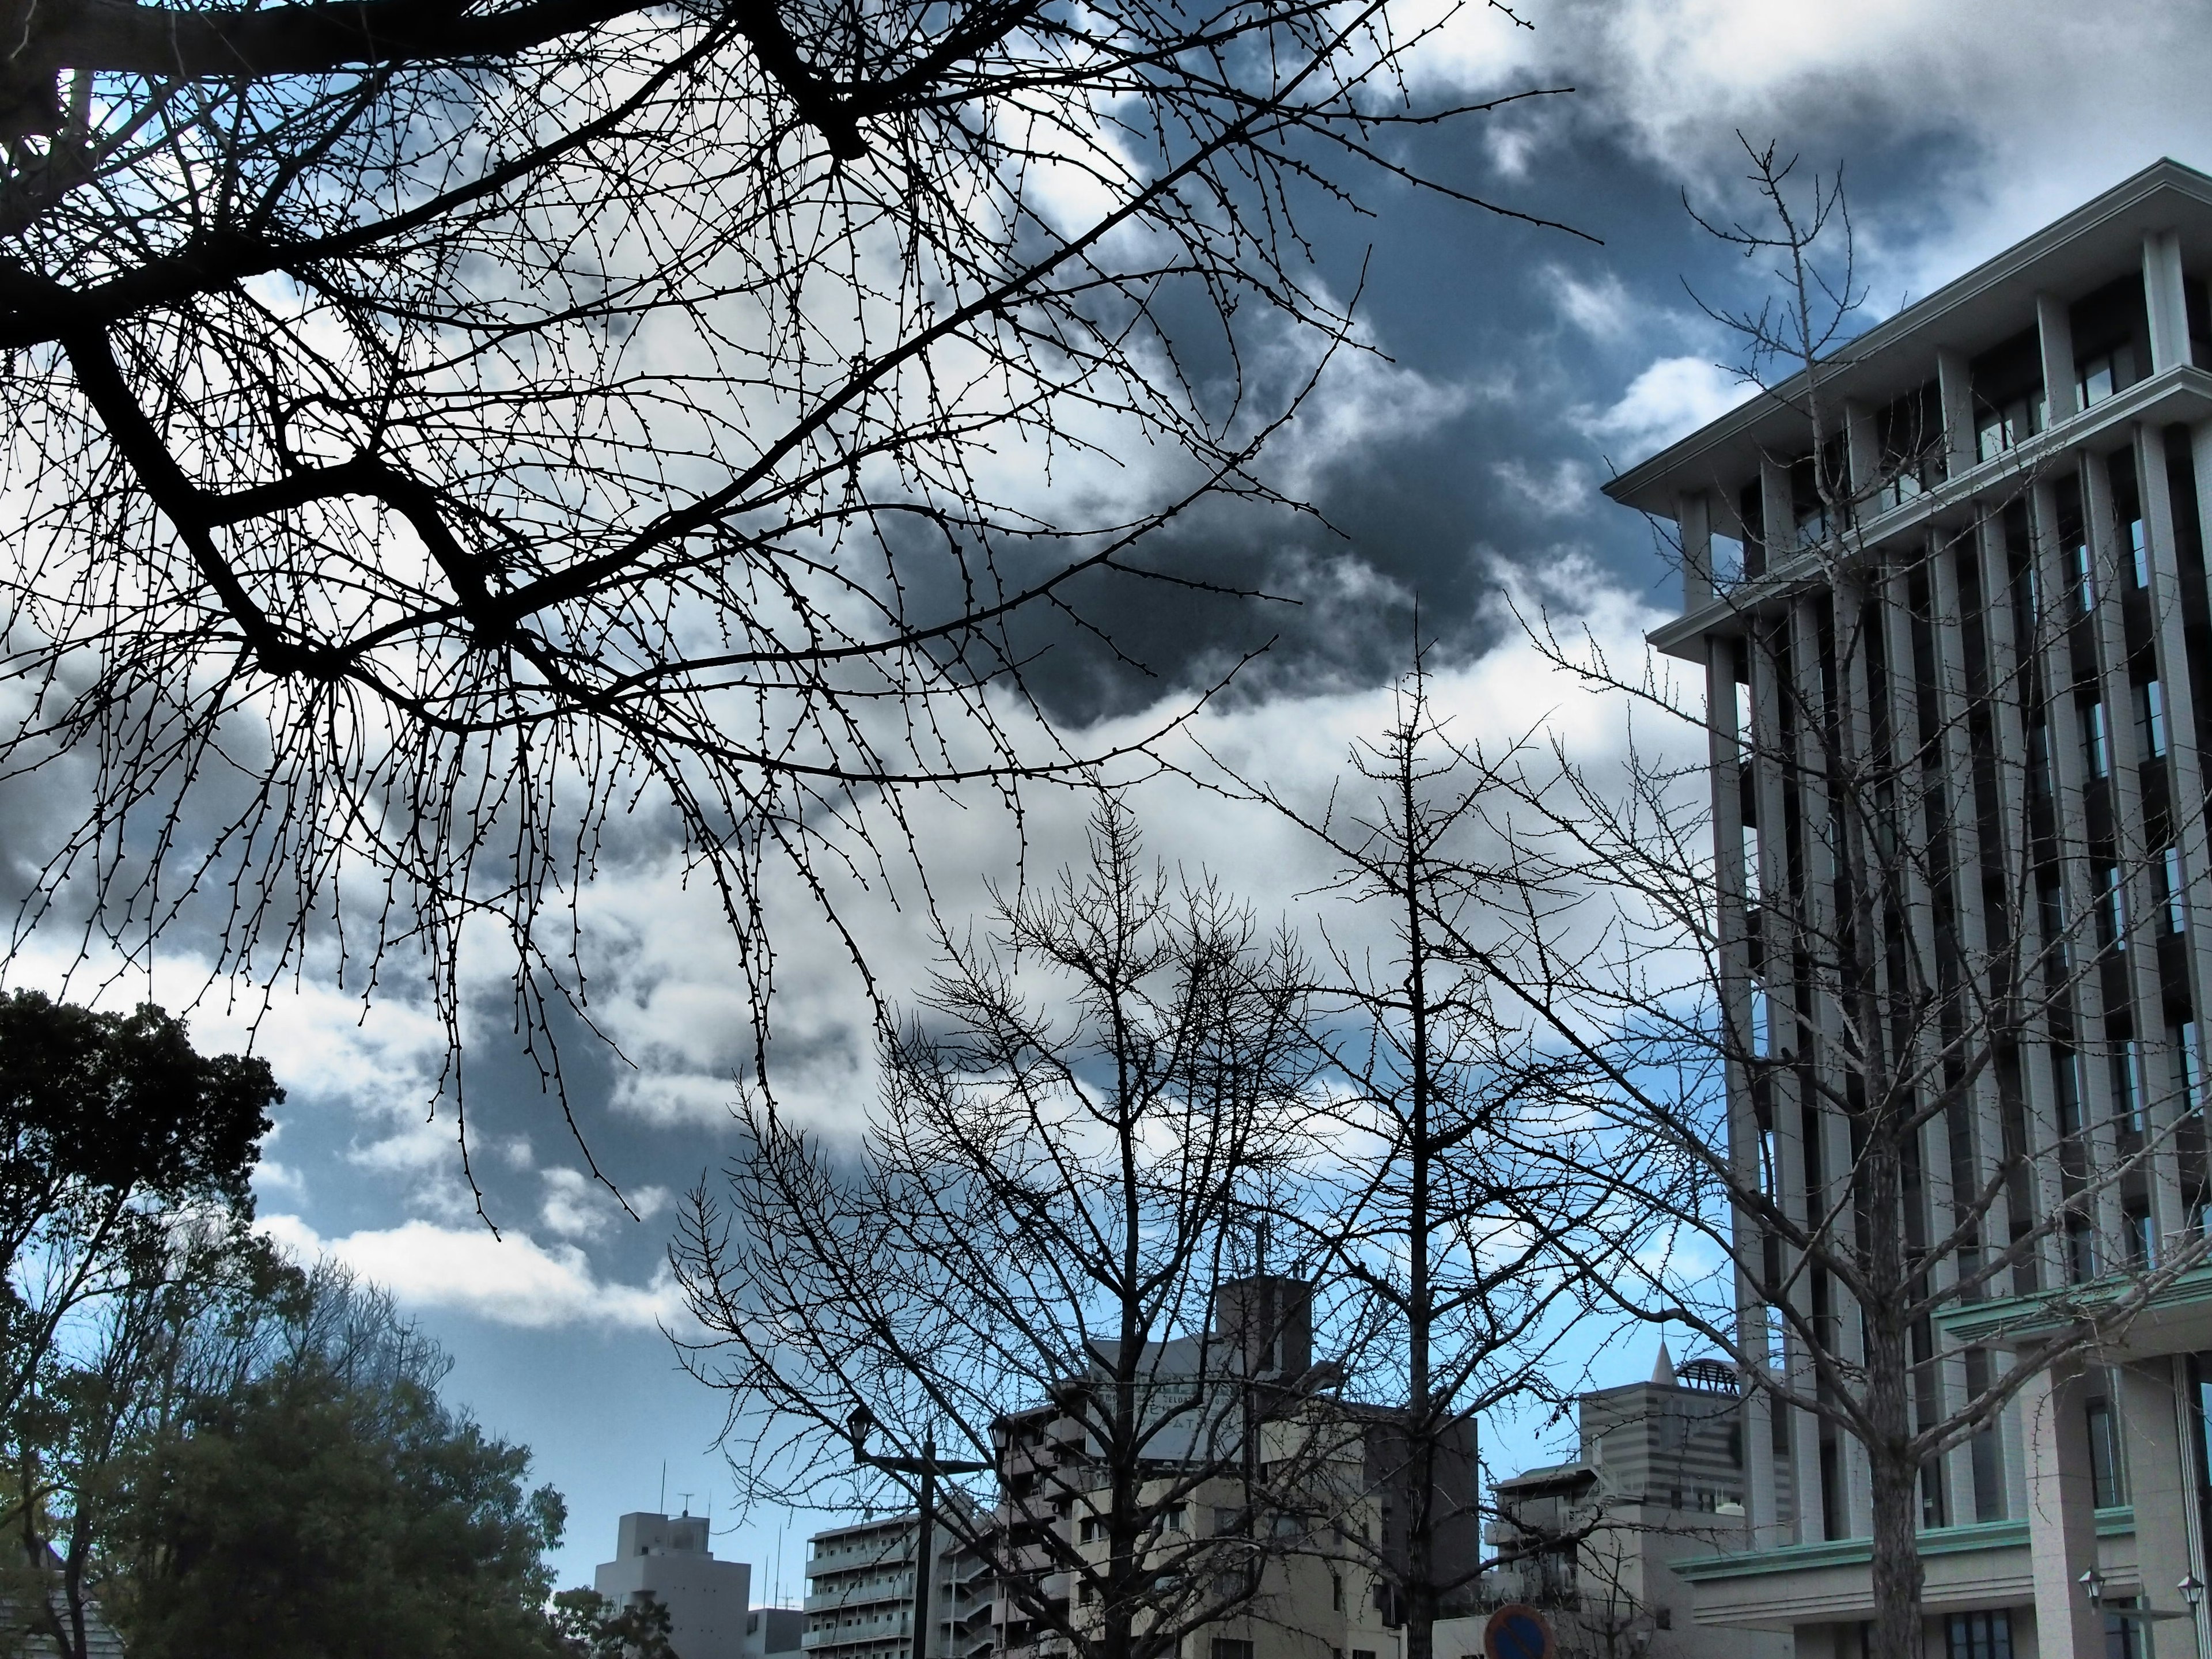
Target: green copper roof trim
pixel 1859 1552
pixel 2033 1315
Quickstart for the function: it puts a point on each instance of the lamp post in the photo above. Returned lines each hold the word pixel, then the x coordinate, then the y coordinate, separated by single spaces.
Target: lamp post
pixel 928 1466
pixel 2093 1585
pixel 2193 1590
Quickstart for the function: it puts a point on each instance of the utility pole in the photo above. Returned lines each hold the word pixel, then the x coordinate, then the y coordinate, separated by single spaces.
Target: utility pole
pixel 928 1466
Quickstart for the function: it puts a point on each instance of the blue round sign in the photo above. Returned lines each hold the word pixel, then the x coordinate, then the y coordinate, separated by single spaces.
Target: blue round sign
pixel 1515 1632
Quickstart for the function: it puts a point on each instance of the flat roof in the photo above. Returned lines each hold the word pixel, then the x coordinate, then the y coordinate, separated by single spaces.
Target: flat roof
pixel 2070 256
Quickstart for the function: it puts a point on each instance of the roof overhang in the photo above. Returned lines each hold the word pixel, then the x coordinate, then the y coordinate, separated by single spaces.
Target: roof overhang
pixel 2092 246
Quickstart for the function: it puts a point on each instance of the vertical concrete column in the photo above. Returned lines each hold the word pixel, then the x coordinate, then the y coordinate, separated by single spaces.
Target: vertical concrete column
pixel 1984 1137
pixel 2187 1432
pixel 1954 389
pixel 2185 762
pixel 2114 562
pixel 2160 1488
pixel 2165 299
pixel 1725 754
pixel 2012 674
pixel 1768 648
pixel 1777 508
pixel 2054 328
pixel 1862 453
pixel 1828 1138
pixel 2062 1515
pixel 1918 788
pixel 1693 524
pixel 2084 983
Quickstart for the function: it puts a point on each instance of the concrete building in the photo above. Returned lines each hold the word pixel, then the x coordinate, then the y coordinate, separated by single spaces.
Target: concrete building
pixel 775 1632
pixel 666 1558
pixel 859 1593
pixel 2039 432
pixel 1658 1478
pixel 1318 1598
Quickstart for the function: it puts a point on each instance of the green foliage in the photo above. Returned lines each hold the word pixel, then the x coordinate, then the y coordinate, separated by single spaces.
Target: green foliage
pixel 225 1453
pixel 121 1103
pixel 328 1508
pixel 587 1625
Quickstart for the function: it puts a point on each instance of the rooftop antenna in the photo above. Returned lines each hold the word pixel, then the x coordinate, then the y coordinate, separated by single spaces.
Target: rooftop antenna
pixel 664 1486
pixel 686 1496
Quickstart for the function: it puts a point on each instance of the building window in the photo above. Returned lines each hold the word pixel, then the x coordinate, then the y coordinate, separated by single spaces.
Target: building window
pixel 1978 1636
pixel 2097 378
pixel 2151 713
pixel 2000 429
pixel 2139 547
pixel 1336 1592
pixel 2189 1067
pixel 2112 906
pixel 1229 1647
pixel 1171 1518
pixel 2094 743
pixel 2177 906
pixel 2104 1480
pixel 2084 579
pixel 2127 1086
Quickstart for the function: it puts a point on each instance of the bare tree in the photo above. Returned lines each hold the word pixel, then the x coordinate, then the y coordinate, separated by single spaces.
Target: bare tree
pixel 437 430
pixel 1882 1014
pixel 1040 1262
pixel 1449 1226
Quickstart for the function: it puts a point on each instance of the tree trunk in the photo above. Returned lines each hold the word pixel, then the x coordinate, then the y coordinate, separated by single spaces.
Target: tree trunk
pixel 1897 1572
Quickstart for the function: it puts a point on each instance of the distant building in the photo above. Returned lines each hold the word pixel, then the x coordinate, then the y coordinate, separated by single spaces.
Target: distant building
pixel 666 1558
pixel 1318 1598
pixel 774 1632
pixel 859 1593
pixel 1658 1477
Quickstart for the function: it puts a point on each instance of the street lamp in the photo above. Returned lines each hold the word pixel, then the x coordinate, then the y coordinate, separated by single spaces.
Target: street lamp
pixel 2093 1583
pixel 928 1466
pixel 2192 1590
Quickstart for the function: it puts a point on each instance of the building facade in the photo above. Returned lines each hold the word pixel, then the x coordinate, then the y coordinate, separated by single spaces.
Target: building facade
pixel 1242 1404
pixel 2024 460
pixel 859 1592
pixel 666 1559
pixel 1658 1478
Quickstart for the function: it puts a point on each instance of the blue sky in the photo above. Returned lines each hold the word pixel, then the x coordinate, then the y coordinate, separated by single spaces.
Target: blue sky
pixel 1513 369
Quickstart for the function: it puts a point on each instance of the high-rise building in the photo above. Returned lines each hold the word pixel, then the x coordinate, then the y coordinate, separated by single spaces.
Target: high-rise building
pixel 666 1559
pixel 2025 457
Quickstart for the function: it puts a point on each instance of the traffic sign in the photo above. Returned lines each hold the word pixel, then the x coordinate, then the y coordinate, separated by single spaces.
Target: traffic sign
pixel 1518 1632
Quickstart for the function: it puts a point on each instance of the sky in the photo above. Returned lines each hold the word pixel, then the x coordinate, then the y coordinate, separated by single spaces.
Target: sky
pixel 1458 462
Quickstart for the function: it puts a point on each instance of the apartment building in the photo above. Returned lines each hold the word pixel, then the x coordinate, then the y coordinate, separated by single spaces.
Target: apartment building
pixel 1242 1402
pixel 2026 457
pixel 859 1592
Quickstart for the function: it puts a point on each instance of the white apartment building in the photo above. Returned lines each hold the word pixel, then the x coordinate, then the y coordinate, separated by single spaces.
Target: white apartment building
pixel 859 1593
pixel 2064 392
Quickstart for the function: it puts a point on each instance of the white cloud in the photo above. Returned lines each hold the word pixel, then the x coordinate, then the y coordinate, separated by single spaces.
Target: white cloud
pixel 1602 308
pixel 1670 399
pixel 1564 490
pixel 509 1280
pixel 575 1205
